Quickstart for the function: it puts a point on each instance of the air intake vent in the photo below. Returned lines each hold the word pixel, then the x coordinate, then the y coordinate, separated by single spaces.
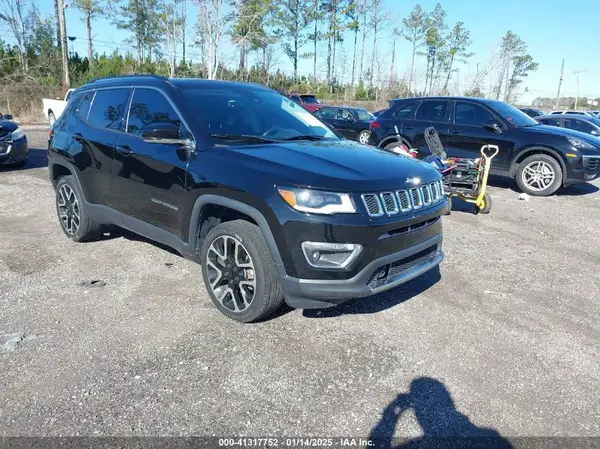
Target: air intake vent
pixel 372 204
pixel 389 203
pixel 415 198
pixel 404 200
pixel 435 194
pixel 426 195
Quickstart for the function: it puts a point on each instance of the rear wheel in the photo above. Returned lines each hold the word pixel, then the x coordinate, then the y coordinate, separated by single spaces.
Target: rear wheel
pixel 487 204
pixel 363 137
pixel 539 175
pixel 70 206
pixel 239 272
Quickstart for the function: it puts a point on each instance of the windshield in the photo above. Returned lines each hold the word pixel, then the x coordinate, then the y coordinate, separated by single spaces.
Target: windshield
pixel 310 99
pixel 247 111
pixel 364 115
pixel 512 114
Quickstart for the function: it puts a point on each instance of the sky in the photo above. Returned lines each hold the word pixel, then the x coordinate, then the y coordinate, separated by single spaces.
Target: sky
pixel 553 30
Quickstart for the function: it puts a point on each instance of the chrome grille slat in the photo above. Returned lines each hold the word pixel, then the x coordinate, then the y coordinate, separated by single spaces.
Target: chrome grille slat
pixel 389 203
pixel 372 204
pixel 403 200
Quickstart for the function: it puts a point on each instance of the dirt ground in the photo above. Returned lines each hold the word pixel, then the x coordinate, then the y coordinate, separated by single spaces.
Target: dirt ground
pixel 118 336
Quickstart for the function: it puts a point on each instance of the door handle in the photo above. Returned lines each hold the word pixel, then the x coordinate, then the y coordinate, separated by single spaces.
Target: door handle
pixel 124 149
pixel 454 132
pixel 408 127
pixel 78 137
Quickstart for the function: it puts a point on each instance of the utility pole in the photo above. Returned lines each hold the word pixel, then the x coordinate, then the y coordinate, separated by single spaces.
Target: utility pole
pixel 63 39
pixel 392 66
pixel 577 72
pixel 562 71
pixel 183 24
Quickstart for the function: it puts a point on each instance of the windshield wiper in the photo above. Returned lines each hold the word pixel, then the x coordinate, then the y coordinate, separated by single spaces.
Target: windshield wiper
pixel 243 137
pixel 304 137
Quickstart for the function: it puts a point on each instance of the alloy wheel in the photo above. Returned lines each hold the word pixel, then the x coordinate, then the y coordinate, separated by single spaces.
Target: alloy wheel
pixel 538 175
pixel 68 209
pixel 230 272
pixel 363 138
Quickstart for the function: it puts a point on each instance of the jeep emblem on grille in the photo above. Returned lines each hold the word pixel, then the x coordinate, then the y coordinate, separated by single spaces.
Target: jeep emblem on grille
pixel 413 180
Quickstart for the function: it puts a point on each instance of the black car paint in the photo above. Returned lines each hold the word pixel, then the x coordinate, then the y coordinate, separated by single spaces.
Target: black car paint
pixel 11 151
pixel 165 193
pixel 515 143
pixel 350 129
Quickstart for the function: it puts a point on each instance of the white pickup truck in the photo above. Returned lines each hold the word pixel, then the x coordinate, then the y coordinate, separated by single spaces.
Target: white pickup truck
pixel 53 108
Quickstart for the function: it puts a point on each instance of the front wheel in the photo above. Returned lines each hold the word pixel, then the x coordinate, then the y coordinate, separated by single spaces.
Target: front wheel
pixel 70 207
pixel 363 137
pixel 539 175
pixel 239 272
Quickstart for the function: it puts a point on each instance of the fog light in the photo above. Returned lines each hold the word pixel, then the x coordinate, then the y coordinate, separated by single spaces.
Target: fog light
pixel 330 255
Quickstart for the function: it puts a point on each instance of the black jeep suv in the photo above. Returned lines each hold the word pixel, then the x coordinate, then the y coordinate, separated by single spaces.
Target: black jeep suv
pixel 271 203
pixel 541 158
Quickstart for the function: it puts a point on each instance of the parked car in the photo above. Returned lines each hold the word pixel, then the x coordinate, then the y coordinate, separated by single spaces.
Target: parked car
pixel 531 112
pixel 309 102
pixel 13 143
pixel 540 158
pixel 272 204
pixel 582 123
pixel 572 113
pixel 53 108
pixel 596 113
pixel 352 123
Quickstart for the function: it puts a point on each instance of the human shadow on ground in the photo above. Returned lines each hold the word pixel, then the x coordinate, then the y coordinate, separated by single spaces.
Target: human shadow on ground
pixel 382 301
pixel 443 426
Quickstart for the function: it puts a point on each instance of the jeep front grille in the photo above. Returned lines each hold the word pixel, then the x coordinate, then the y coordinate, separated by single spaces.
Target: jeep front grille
pixel 392 203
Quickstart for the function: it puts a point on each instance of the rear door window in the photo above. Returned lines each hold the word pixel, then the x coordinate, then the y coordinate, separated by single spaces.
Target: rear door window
pixel 149 106
pixel 326 113
pixel 108 108
pixel 407 110
pixel 433 111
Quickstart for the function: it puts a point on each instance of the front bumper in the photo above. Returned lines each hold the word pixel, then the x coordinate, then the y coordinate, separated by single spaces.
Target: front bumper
pixel 379 275
pixel 13 152
pixel 586 169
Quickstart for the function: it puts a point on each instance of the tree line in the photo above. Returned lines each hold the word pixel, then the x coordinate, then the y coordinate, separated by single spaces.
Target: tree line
pixel 353 40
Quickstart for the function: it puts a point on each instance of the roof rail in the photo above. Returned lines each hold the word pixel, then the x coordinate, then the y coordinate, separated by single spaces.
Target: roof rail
pixel 135 75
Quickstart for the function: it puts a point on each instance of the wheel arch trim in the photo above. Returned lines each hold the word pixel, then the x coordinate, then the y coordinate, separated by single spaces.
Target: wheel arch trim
pixel 537 149
pixel 211 199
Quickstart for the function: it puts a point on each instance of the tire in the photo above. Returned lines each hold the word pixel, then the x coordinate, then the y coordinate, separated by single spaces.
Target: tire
pixel 448 209
pixel 51 118
pixel 539 165
pixel 261 295
pixel 363 137
pixel 69 205
pixel 487 204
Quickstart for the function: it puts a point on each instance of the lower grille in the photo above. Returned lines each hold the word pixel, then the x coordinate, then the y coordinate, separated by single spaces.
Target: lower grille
pixel 388 273
pixel 591 163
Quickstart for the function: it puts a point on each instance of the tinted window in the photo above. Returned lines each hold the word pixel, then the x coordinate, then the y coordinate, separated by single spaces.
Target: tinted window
pixel 551 121
pixel 432 111
pixel 364 115
pixel 150 106
pixel 310 99
pixel 406 110
pixel 83 105
pixel 471 114
pixel 328 113
pixel 579 125
pixel 107 109
pixel 296 99
pixel 556 112
pixel 68 96
pixel 344 115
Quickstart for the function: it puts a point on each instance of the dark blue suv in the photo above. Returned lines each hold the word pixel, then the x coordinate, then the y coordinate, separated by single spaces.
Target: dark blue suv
pixel 541 158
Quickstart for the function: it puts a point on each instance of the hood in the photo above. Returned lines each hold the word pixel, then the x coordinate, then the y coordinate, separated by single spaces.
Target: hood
pixel 7 127
pixel 566 132
pixel 339 165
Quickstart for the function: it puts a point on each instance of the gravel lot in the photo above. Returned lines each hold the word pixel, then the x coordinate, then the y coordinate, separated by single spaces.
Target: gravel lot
pixel 508 328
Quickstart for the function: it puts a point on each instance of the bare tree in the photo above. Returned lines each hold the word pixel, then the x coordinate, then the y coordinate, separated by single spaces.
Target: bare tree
pixel 414 31
pixel 379 20
pixel 212 21
pixel 17 14
pixel 173 23
pixel 363 21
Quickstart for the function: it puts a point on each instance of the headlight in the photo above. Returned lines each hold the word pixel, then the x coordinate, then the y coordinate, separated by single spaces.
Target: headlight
pixel 318 202
pixel 580 144
pixel 17 134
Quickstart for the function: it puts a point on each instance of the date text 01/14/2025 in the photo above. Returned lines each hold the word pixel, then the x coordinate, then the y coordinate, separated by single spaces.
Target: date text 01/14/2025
pixel 295 442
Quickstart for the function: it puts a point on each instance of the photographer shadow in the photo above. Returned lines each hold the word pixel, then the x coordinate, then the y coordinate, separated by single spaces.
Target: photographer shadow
pixel 442 424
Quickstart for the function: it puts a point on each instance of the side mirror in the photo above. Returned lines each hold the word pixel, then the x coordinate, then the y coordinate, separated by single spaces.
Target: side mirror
pixel 8 116
pixel 493 126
